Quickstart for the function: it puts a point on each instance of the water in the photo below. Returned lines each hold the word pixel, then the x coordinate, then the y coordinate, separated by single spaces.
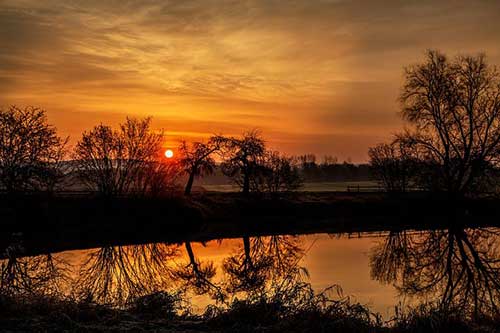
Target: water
pixel 378 270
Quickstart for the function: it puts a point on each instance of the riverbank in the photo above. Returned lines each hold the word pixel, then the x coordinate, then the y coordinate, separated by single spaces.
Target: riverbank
pixel 55 223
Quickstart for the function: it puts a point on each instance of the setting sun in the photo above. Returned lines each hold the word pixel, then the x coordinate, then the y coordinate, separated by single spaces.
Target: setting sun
pixel 169 153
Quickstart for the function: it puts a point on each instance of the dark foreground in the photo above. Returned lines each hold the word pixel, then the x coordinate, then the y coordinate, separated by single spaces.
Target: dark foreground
pixel 43 225
pixel 156 313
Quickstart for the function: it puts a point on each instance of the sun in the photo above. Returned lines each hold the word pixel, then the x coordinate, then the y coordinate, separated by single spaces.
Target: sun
pixel 169 153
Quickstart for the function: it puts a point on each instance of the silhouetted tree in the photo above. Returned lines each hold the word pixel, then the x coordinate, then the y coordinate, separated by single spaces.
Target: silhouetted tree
pixel 307 160
pixel 158 178
pixel 276 173
pixel 393 165
pixel 112 162
pixel 329 160
pixel 198 160
pixel 242 158
pixel 30 150
pixel 455 109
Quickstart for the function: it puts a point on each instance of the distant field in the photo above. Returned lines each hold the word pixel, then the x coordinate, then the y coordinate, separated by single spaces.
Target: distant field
pixel 337 186
pixel 308 187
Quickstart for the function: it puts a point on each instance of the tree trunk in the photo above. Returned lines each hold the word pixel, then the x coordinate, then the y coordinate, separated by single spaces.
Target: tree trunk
pixel 189 184
pixel 246 183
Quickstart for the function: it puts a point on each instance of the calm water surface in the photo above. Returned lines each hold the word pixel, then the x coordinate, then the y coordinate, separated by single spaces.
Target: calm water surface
pixel 378 270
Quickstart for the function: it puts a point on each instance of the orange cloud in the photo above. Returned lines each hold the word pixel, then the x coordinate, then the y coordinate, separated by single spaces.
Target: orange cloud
pixel 314 76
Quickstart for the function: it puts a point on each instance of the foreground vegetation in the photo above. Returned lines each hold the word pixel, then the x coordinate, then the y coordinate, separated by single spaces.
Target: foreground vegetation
pixel 161 312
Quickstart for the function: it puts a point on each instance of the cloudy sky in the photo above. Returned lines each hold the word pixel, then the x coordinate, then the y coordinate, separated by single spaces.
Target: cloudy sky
pixel 314 76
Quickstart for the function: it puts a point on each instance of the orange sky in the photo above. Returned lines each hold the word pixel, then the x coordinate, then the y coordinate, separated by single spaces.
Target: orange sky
pixel 315 76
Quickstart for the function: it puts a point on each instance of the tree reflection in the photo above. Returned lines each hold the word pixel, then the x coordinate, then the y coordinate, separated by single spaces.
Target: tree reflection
pixel 261 260
pixel 117 274
pixel 197 275
pixel 389 258
pixel 286 252
pixel 458 267
pixel 43 274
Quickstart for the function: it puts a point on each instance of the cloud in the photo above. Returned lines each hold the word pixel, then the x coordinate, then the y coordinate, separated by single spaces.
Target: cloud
pixel 313 72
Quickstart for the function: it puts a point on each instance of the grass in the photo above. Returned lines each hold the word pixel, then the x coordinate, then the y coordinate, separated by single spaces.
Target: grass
pixel 429 317
pixel 163 312
pixel 293 309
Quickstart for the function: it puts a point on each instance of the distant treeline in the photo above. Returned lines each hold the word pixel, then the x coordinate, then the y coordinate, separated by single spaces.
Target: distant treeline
pixel 330 170
pixel 310 171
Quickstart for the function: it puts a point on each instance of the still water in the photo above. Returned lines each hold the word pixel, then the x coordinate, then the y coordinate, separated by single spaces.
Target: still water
pixel 455 266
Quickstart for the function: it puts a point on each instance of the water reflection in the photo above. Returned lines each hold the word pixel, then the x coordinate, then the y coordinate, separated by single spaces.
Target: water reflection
pixel 457 268
pixel 248 267
pixel 44 274
pixel 197 275
pixel 117 274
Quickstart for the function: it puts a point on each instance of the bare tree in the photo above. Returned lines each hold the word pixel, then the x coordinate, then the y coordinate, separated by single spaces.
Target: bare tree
pixel 112 162
pixel 329 160
pixel 307 160
pixel 242 161
pixel 276 173
pixel 393 165
pixel 197 159
pixel 30 150
pixel 454 107
pixel 158 178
